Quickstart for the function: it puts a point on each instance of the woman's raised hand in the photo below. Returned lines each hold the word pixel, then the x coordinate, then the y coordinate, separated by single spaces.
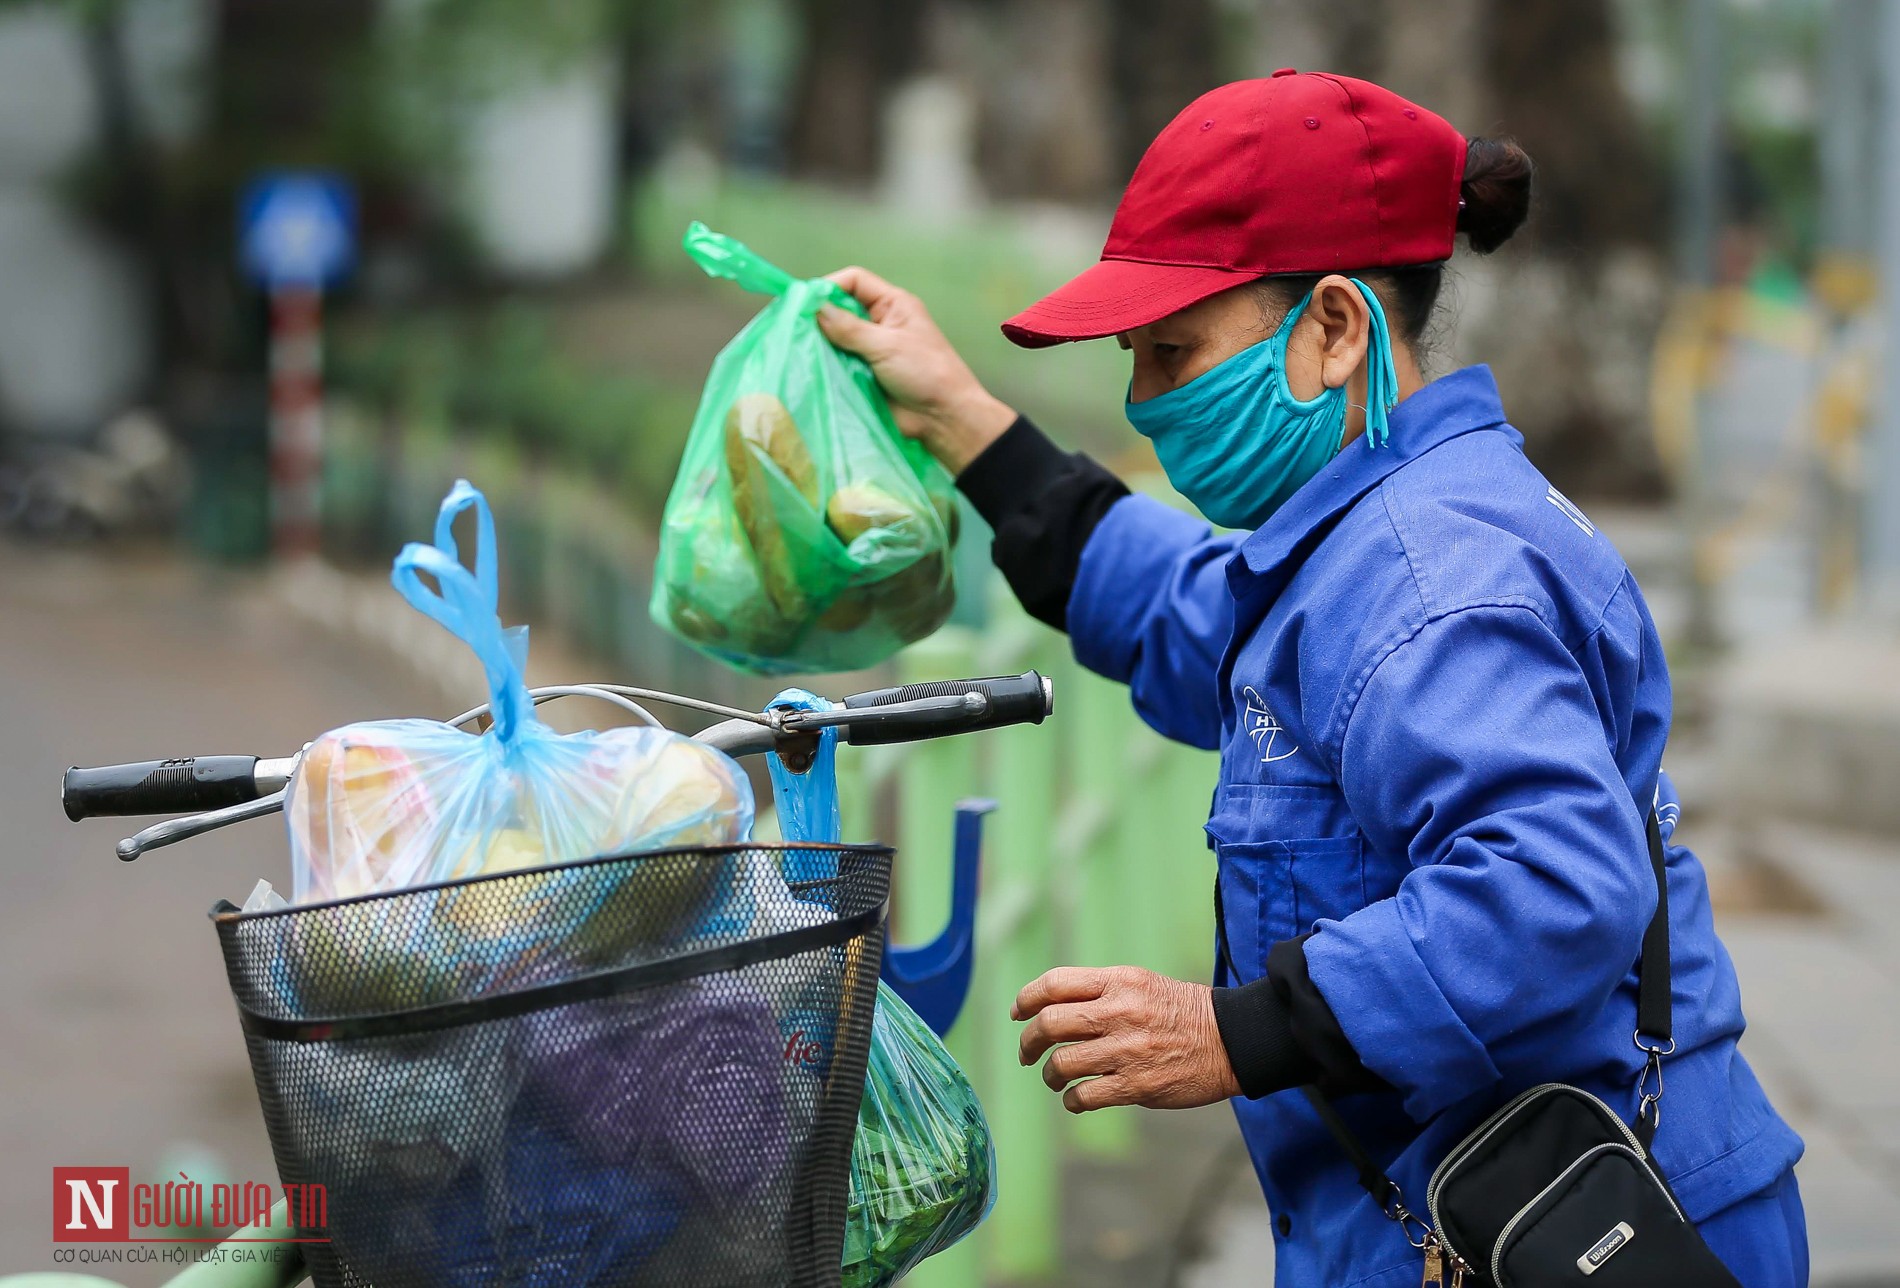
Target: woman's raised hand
pixel 936 397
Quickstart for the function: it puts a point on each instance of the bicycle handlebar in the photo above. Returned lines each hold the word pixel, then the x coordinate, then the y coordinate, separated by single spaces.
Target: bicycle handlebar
pixel 1028 698
pixel 184 784
pixel 214 790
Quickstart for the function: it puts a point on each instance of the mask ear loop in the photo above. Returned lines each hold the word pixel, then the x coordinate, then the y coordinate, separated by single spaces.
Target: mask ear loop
pixel 1382 375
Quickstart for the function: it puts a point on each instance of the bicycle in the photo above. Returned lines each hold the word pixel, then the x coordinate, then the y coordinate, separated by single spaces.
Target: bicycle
pixel 223 790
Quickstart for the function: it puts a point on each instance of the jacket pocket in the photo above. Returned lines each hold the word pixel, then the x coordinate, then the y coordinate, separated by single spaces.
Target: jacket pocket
pixel 1251 884
pixel 1274 887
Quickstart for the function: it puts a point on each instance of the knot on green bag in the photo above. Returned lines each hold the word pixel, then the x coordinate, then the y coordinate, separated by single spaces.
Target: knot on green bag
pixel 730 258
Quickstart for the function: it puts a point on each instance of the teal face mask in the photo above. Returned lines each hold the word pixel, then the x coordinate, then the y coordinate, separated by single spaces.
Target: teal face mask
pixel 1237 443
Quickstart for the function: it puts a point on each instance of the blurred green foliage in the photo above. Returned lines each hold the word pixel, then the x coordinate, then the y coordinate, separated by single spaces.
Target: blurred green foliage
pixel 498 376
pixel 433 61
pixel 1772 62
pixel 501 375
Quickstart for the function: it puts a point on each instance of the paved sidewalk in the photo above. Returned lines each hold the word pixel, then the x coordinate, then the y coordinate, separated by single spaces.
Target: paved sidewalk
pixel 1822 993
pixel 118 1041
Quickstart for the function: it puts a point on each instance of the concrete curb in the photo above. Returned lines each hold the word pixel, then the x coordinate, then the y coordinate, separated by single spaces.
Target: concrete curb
pixel 367 613
pixel 1807 728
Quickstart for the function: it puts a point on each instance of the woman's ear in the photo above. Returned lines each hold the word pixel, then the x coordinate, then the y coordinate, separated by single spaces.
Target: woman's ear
pixel 1344 323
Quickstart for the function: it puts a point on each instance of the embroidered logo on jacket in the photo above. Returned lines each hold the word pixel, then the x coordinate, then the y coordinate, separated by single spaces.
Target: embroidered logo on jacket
pixel 1265 728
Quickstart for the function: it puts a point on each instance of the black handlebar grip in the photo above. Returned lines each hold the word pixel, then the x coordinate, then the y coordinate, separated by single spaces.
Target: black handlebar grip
pixel 183 786
pixel 1014 699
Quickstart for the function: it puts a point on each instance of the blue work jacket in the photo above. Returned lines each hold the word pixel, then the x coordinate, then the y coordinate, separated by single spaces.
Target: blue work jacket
pixel 1440 704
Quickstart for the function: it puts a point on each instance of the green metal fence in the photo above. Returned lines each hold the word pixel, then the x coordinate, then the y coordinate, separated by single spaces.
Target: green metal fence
pixel 1092 858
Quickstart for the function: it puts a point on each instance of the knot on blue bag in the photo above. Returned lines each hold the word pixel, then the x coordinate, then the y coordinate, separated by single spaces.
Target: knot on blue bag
pixel 807 803
pixel 467 605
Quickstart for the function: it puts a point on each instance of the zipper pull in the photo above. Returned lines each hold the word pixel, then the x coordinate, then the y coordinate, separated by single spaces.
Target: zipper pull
pixel 1434 1266
pixel 1457 1272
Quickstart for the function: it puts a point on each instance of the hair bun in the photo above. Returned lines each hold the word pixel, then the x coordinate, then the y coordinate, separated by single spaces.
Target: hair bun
pixel 1496 192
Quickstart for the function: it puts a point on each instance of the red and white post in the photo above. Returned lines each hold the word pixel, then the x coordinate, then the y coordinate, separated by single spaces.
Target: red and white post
pixel 296 420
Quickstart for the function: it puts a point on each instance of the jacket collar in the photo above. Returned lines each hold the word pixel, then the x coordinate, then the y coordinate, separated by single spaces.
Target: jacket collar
pixel 1448 407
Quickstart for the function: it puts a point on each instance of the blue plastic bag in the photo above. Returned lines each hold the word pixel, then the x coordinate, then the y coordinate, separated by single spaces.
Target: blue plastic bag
pixel 389 804
pixel 807 803
pixel 923 1165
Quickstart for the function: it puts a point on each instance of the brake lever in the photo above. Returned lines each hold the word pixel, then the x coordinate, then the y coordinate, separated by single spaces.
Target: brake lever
pixel 173 830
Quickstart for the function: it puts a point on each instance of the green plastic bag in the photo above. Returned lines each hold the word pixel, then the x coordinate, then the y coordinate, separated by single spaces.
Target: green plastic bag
pixel 923 1165
pixel 804 532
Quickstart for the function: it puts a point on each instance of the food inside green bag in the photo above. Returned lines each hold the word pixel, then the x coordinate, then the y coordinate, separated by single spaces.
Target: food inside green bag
pixel 804 532
pixel 922 1162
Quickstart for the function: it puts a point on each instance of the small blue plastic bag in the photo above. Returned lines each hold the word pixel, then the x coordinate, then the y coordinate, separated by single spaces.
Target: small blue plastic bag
pixel 389 804
pixel 923 1165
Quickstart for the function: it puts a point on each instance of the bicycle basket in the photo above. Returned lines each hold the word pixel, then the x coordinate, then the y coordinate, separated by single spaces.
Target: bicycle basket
pixel 632 1100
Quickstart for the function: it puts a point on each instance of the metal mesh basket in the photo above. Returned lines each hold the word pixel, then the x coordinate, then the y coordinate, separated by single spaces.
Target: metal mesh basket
pixel 623 1071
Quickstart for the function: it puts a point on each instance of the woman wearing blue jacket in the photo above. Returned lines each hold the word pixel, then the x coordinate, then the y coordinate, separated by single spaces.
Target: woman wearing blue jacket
pixel 1439 698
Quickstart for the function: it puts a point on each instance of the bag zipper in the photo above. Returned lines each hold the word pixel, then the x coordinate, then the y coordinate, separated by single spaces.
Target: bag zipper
pixel 1504 1236
pixel 1489 1127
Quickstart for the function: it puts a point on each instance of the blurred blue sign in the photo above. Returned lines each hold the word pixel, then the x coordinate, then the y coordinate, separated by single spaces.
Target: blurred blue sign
pixel 297 228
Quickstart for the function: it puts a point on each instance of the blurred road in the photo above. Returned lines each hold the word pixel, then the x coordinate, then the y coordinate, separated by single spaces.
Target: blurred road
pixel 119 1038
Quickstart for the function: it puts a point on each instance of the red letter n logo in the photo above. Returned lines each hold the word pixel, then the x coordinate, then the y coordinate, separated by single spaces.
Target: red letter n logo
pixel 90 1203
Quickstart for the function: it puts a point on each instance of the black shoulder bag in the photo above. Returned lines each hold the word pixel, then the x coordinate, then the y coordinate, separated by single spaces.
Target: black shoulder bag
pixel 1554 1189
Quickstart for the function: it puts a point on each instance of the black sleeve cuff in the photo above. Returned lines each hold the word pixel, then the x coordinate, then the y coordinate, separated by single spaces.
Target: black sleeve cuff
pixel 1257 1030
pixel 1280 1033
pixel 1314 1025
pixel 1043 504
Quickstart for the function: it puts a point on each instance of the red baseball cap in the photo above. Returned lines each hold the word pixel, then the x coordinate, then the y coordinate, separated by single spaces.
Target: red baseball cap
pixel 1292 174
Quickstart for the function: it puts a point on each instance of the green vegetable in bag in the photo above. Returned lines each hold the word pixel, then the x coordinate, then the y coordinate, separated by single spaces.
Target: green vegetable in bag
pixel 804 532
pixel 922 1162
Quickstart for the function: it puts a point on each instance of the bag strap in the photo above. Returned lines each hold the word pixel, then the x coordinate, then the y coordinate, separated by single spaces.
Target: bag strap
pixel 1653 1022
pixel 1372 1177
pixel 1654 1009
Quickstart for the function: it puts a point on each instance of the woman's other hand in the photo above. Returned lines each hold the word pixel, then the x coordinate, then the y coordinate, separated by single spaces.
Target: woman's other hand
pixel 1132 1036
pixel 937 398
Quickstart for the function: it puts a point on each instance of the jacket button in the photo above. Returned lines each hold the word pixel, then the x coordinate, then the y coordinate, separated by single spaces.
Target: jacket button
pixel 1284 1225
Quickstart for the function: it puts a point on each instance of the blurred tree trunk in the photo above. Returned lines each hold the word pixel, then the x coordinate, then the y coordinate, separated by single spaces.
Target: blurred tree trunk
pixel 1069 92
pixel 1037 71
pixel 1434 54
pixel 1592 265
pixel 131 200
pixel 1161 59
pixel 1550 68
pixel 854 52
